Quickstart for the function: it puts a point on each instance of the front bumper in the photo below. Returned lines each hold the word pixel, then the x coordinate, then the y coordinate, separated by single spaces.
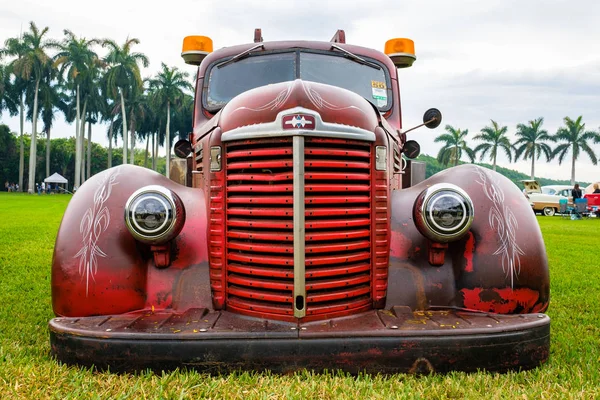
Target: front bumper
pixel 383 341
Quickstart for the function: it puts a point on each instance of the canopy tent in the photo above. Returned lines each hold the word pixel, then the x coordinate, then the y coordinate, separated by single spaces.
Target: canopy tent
pixel 57 179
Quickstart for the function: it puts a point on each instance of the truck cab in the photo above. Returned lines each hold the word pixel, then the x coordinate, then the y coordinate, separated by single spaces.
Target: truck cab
pixel 294 239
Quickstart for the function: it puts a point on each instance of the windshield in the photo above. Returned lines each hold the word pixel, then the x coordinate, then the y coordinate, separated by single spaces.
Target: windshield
pixel 548 191
pixel 229 80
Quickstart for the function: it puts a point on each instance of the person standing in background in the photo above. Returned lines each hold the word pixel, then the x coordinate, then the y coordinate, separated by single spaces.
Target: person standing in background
pixel 576 192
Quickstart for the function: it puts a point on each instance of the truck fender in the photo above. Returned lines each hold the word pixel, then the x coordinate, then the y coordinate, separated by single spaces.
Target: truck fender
pixel 500 265
pixel 98 268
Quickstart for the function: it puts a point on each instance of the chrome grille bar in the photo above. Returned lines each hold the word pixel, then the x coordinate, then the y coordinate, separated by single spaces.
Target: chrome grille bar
pixel 299 229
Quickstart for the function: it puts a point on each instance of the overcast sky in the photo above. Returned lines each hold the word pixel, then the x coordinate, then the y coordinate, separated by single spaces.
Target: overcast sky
pixel 507 60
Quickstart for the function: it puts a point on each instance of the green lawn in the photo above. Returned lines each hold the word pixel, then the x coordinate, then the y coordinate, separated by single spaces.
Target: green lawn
pixel 28 226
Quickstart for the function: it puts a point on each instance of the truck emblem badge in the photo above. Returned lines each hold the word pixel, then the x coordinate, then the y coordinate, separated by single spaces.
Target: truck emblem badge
pixel 297 121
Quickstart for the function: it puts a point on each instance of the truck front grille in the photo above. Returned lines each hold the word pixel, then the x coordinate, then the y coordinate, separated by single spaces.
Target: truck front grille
pixel 260 227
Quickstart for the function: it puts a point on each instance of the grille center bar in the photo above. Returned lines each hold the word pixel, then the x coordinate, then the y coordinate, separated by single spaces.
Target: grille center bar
pixel 299 229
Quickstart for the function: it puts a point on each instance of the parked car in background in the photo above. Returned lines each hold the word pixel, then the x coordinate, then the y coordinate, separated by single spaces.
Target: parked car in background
pixel 590 188
pixel 593 203
pixel 547 204
pixel 559 190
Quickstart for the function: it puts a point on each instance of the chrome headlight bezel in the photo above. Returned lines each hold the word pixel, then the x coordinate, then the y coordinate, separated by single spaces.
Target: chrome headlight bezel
pixel 443 212
pixel 170 212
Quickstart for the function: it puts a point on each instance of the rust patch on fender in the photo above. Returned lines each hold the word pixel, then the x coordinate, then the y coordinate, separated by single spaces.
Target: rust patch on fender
pixel 469 249
pixel 501 301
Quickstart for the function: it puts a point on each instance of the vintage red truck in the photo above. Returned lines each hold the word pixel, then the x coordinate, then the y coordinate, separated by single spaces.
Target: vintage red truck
pixel 296 239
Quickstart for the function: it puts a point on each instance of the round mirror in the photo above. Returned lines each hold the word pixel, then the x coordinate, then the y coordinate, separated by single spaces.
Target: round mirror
pixel 411 149
pixel 432 118
pixel 182 148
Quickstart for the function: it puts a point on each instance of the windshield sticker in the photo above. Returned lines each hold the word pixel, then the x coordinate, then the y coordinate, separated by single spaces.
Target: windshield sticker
pixel 378 84
pixel 380 96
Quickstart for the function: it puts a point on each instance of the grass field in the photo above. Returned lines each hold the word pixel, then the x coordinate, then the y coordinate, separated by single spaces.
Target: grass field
pixel 28 226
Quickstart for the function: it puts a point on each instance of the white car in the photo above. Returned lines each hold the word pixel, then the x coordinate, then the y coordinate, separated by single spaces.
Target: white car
pixel 559 190
pixel 547 204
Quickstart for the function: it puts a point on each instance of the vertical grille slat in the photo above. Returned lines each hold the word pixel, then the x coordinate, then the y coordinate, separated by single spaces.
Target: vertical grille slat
pixel 260 226
pixel 338 206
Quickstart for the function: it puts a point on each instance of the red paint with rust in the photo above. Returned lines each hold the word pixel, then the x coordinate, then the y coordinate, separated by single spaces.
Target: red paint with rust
pixel 95 251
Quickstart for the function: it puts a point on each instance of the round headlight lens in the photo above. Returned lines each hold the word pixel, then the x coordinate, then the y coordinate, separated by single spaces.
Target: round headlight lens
pixel 446 211
pixel 154 214
pixel 151 213
pixel 443 212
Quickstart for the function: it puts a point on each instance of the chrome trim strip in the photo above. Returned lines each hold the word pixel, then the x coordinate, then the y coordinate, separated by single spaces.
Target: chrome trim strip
pixel 275 129
pixel 299 226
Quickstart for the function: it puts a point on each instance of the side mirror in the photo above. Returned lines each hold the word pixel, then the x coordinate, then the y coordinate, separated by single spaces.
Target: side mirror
pixel 411 149
pixel 182 148
pixel 432 118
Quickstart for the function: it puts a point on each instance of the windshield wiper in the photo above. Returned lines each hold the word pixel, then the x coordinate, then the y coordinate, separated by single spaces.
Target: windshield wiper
pixel 240 56
pixel 356 58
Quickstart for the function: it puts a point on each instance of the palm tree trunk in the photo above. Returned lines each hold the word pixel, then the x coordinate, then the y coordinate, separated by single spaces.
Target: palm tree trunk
pixel 494 166
pixel 456 156
pixel 22 146
pixel 82 142
pixel 48 151
pixel 124 127
pixel 168 138
pixel 533 165
pixel 110 136
pixel 146 153
pixel 77 180
pixel 573 168
pixel 132 130
pixel 33 147
pixel 154 149
pixel 89 150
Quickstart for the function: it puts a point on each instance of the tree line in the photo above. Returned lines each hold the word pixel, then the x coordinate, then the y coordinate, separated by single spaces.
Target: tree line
pixel 532 142
pixel 40 76
pixel 62 157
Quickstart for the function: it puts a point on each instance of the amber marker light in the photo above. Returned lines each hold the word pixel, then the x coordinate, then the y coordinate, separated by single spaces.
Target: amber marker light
pixel 401 51
pixel 196 48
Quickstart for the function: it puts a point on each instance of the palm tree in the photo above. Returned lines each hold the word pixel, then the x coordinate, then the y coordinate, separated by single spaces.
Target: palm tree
pixel 107 114
pixel 31 65
pixel 138 108
pixel 530 142
pixel 577 139
pixel 169 86
pixel 51 97
pixel 123 76
pixel 15 47
pixel 77 59
pixel 95 104
pixel 454 145
pixel 156 107
pixel 493 137
pixel 7 98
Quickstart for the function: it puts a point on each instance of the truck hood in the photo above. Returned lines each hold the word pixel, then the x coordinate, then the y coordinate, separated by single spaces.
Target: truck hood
pixel 263 105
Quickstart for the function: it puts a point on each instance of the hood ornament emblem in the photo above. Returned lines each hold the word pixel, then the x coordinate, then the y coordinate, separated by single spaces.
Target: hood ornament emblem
pixel 299 121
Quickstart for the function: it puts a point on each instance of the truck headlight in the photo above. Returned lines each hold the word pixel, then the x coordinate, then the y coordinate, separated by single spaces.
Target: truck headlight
pixel 443 212
pixel 154 214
